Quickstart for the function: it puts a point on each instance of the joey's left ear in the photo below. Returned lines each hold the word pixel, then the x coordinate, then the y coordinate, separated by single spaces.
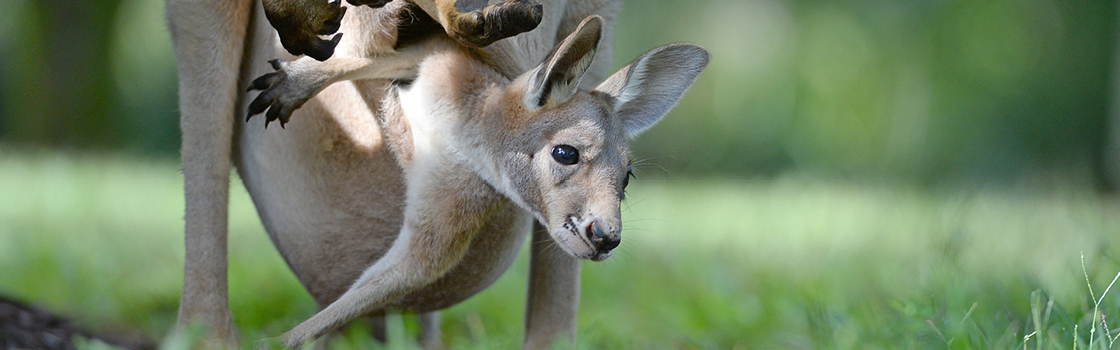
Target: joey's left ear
pixel 556 79
pixel 646 89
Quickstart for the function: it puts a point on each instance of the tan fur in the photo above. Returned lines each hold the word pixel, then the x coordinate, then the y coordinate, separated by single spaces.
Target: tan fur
pixel 455 163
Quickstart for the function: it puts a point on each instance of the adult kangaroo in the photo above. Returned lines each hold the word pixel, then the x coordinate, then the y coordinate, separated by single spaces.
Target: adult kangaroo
pixel 416 195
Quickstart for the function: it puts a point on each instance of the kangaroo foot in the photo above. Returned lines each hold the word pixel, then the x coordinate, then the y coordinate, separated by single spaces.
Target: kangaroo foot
pixel 301 22
pixel 498 20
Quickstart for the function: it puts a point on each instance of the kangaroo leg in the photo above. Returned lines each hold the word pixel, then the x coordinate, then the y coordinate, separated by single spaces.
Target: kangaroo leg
pixel 377 328
pixel 553 302
pixel 208 37
pixel 445 208
pixel 430 332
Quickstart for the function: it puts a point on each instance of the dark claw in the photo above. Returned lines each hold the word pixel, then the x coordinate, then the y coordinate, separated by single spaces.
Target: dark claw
pixel 323 49
pixel 266 81
pixel 258 105
pixel 335 40
pixel 273 114
pixel 285 115
pixel 273 101
pixel 370 3
pixel 255 108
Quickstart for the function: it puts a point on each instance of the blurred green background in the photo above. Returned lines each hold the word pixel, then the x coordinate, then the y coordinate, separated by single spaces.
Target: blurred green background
pixel 924 91
pixel 846 174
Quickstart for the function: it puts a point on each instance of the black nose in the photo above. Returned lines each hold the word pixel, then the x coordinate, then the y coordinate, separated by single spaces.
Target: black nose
pixel 605 242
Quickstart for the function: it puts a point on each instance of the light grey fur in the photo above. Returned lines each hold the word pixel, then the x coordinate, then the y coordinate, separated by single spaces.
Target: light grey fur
pixel 412 198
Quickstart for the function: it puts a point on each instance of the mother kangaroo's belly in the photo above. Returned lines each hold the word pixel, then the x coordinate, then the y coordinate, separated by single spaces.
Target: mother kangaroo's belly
pixel 331 196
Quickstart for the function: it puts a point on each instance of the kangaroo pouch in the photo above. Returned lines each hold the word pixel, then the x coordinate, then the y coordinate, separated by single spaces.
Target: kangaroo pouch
pixel 340 211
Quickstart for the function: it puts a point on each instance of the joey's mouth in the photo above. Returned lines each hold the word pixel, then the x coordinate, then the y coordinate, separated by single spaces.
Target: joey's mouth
pixel 574 238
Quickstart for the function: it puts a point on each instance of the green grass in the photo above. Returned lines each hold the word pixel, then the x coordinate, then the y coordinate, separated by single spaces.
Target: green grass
pixel 791 263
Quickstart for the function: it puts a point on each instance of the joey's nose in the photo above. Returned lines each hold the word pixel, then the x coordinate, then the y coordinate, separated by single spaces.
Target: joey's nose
pixel 603 240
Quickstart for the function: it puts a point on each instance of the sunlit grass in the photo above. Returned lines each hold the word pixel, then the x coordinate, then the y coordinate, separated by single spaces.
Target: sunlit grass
pixel 790 263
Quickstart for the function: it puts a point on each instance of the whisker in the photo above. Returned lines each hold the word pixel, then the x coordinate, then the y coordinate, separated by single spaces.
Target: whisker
pixel 641 161
pixel 630 204
pixel 645 163
pixel 623 252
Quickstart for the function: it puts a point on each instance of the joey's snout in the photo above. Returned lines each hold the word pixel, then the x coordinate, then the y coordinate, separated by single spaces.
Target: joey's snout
pixel 593 238
pixel 603 238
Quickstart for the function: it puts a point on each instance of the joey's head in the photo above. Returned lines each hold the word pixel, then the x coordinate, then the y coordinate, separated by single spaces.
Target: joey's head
pixel 563 152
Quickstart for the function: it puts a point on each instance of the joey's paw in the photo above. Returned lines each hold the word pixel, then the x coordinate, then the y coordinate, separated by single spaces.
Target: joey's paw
pixel 496 21
pixel 370 3
pixel 281 94
pixel 300 23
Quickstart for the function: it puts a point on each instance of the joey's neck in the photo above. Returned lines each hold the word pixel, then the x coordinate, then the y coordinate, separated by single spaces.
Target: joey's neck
pixel 454 113
pixel 459 111
pixel 479 142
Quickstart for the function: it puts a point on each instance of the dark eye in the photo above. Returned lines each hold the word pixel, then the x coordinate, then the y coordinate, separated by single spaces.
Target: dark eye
pixel 565 154
pixel 626 181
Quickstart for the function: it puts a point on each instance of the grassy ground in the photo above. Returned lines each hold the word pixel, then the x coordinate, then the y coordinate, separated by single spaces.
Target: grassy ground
pixel 792 263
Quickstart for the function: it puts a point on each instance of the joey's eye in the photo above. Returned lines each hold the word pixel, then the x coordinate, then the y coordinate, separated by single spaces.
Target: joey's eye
pixel 565 154
pixel 626 181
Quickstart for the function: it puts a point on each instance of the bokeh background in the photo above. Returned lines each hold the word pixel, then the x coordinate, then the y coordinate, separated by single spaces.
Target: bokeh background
pixel 925 91
pixel 845 174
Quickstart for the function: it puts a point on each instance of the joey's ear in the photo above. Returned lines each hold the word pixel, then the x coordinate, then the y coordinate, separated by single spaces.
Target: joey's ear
pixel 650 86
pixel 556 79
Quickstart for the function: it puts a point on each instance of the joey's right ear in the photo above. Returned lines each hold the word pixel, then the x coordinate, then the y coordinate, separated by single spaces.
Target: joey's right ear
pixel 556 79
pixel 649 87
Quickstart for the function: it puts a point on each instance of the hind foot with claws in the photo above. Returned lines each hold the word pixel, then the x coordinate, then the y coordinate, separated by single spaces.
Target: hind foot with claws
pixel 498 20
pixel 301 22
